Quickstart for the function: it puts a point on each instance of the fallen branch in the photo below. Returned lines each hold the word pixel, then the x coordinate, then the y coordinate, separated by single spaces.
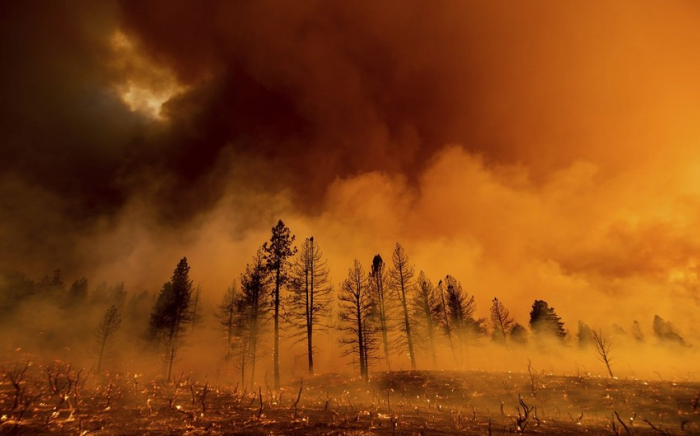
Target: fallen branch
pixel 622 423
pixel 296 403
pixel 261 402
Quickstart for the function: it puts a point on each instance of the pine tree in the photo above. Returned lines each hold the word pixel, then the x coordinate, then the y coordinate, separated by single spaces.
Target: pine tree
pixel 196 308
pixel 171 313
pixel 226 315
pixel 355 316
pixel 105 334
pixel 545 322
pixel 666 332
pixel 382 305
pixel 425 303
pixel 501 321
pixel 277 254
pixel 252 311
pixel 637 331
pixel 518 334
pixel 77 293
pixel 584 335
pixel 461 308
pixel 441 311
pixel 310 297
pixel 402 281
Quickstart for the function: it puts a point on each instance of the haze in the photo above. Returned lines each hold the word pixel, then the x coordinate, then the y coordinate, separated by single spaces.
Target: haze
pixel 534 150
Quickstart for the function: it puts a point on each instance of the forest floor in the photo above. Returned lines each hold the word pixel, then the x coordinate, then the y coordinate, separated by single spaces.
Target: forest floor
pixel 57 399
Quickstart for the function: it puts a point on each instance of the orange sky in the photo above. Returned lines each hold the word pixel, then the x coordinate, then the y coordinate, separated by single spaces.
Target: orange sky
pixel 538 149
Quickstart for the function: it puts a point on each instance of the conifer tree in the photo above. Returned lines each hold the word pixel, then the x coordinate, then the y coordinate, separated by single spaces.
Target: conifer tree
pixel 425 303
pixel 544 321
pixel 310 295
pixel 666 332
pixel 252 310
pixel 518 334
pixel 196 307
pixel 441 311
pixel 356 305
pixel 171 313
pixel 276 255
pixel 637 331
pixel 382 305
pixel 402 282
pixel 501 321
pixel 584 335
pixel 105 334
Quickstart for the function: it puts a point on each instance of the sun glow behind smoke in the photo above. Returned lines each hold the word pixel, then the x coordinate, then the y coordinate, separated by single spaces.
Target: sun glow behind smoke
pixel 144 85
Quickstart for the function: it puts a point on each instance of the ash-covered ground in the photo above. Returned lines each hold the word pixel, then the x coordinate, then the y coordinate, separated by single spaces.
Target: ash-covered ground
pixel 56 398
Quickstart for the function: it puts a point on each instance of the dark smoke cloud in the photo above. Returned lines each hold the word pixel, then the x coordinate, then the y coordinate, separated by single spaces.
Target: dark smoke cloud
pixel 298 95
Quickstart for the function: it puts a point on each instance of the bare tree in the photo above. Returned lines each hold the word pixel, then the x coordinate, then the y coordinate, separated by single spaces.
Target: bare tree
pixel 382 309
pixel 105 334
pixel 602 348
pixel 310 294
pixel 402 280
pixel 501 321
pixel 355 313
pixel 425 303
pixel 277 254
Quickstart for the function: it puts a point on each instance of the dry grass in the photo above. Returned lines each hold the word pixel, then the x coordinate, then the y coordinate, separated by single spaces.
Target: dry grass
pixel 396 403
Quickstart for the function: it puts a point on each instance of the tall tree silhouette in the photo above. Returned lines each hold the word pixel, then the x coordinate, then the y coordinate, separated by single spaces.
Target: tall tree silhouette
pixel 172 313
pixel 518 334
pixel 603 344
pixel 441 311
pixel 544 321
pixel 105 294
pixel 105 334
pixel 402 281
pixel 309 301
pixel 460 312
pixel 77 293
pixel 584 335
pixel 426 314
pixel 355 316
pixel 196 307
pixel 226 313
pixel 501 321
pixel 666 332
pixel 383 305
pixel 277 253
pixel 637 333
pixel 53 287
pixel 251 312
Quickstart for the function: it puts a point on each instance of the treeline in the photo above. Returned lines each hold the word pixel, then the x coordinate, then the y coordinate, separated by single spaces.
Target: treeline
pixel 54 316
pixel 381 314
pixel 384 316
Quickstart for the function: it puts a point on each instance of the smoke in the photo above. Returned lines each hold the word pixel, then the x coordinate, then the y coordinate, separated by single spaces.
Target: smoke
pixel 534 151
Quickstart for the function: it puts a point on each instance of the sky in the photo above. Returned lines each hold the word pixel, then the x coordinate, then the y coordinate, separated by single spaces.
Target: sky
pixel 534 150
